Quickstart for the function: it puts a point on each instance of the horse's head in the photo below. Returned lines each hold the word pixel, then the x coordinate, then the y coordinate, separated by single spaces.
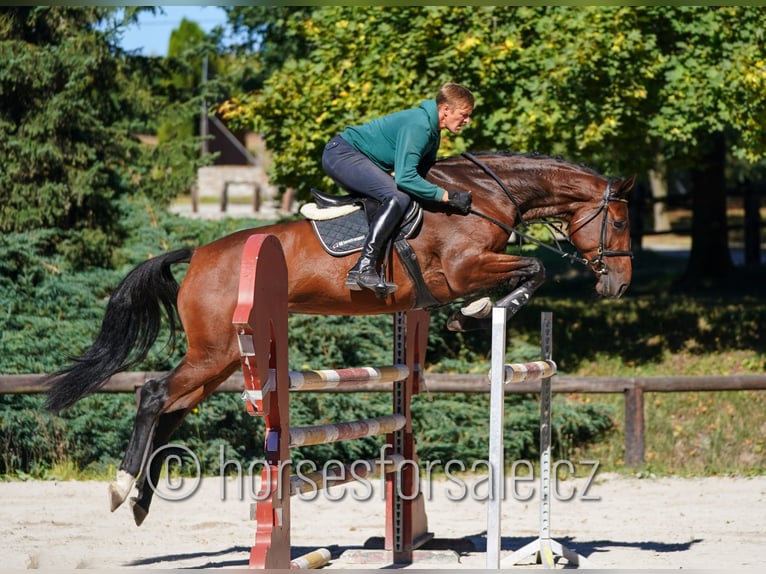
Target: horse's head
pixel 600 231
pixel 512 189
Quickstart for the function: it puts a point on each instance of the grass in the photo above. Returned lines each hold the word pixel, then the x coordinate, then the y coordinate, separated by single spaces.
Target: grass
pixel 688 434
pixel 67 470
pixel 714 332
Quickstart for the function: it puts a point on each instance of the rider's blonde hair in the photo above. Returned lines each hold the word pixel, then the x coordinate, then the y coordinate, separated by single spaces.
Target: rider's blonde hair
pixel 454 94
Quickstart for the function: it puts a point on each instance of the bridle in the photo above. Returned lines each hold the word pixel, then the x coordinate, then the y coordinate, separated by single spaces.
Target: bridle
pixel 596 263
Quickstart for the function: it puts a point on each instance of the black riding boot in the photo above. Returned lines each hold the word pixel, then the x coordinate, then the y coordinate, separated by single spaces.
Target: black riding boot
pixel 364 273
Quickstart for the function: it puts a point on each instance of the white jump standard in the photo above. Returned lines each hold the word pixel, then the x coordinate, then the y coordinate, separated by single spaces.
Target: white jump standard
pixel 545 548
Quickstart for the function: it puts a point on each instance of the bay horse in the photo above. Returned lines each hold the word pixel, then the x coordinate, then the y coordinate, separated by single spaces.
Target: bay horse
pixel 459 255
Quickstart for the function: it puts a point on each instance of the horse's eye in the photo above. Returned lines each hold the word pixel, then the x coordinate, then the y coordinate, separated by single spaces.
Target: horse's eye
pixel 619 224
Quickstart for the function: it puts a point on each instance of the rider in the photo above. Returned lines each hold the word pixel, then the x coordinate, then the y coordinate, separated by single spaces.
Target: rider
pixel 361 158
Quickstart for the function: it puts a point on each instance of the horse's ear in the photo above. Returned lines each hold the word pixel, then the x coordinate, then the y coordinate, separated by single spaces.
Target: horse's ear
pixel 621 187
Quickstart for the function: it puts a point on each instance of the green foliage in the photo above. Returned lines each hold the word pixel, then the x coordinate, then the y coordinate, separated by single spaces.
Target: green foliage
pixel 318 342
pixel 711 78
pixel 71 106
pixel 647 325
pixel 221 426
pixel 31 441
pixel 606 85
pixel 97 428
pixel 191 53
pixel 59 138
pixel 183 40
pixel 268 39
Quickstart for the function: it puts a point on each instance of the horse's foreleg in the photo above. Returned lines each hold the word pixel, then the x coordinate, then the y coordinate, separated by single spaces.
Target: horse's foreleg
pixel 166 426
pixel 152 401
pixel 520 296
pixel 477 314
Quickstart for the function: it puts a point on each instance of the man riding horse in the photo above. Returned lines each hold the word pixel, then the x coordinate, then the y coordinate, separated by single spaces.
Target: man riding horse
pixel 361 159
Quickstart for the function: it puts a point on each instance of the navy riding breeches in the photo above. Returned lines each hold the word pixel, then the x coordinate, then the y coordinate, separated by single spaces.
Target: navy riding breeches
pixel 355 172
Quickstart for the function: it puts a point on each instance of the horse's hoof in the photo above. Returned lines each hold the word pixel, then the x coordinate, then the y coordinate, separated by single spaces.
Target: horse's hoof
pixel 478 309
pixel 139 512
pixel 119 489
pixel 116 498
pixel 459 323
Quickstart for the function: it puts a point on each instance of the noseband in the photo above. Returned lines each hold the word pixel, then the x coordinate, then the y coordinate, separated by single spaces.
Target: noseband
pixel 596 263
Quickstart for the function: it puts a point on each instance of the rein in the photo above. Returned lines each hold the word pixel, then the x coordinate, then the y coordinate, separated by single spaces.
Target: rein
pixel 596 263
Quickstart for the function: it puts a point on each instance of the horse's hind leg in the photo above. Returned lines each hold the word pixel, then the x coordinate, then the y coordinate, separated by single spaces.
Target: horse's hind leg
pixel 164 404
pixel 167 425
pixel 153 398
pixel 205 307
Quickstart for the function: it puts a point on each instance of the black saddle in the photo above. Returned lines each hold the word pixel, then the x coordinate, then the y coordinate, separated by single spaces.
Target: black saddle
pixel 345 234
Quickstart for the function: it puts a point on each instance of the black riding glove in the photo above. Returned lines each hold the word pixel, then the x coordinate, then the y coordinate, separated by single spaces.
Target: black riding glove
pixel 460 200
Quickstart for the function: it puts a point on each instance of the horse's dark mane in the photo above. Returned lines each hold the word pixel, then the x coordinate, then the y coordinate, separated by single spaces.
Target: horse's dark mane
pixel 527 155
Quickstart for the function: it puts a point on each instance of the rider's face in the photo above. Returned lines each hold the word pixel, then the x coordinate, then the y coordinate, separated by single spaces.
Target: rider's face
pixel 455 117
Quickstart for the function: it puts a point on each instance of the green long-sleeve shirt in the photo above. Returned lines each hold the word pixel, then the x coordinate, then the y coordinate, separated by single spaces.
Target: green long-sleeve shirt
pixel 404 143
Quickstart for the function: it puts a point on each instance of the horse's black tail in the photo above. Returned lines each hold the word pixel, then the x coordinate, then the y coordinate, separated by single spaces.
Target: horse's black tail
pixel 130 326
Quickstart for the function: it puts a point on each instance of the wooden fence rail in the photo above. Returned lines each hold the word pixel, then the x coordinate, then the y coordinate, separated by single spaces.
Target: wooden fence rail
pixel 632 388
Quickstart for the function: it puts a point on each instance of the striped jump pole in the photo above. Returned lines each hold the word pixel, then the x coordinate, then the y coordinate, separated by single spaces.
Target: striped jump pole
pixel 336 378
pixel 313 560
pixel 333 432
pixel 260 322
pixel 324 379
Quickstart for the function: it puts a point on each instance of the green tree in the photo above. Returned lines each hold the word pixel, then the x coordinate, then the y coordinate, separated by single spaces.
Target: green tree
pixel 195 67
pixel 71 104
pixel 710 112
pixel 58 114
pixel 613 87
pixel 183 48
pixel 267 38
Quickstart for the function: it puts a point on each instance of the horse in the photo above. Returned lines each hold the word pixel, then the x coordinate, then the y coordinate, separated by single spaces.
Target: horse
pixel 461 256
